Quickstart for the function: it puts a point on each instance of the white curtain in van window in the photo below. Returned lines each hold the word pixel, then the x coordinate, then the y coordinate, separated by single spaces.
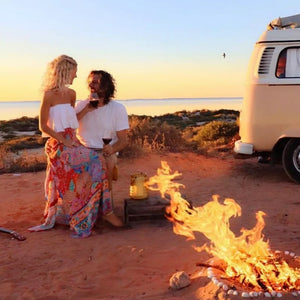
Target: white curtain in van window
pixel 292 63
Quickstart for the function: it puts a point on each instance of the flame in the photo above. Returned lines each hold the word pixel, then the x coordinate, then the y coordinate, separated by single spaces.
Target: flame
pixel 247 257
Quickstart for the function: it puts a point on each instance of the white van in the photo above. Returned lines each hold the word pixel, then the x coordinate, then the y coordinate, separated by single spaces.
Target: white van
pixel 270 115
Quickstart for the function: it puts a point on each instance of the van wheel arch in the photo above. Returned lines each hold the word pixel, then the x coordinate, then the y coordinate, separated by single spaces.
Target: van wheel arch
pixel 277 151
pixel 291 159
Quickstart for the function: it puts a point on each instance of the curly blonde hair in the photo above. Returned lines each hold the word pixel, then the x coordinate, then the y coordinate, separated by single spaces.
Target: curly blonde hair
pixel 58 73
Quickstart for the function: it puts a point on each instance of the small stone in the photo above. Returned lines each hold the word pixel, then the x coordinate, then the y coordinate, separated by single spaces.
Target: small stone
pixel 179 280
pixel 210 274
pixel 279 295
pixel 245 295
pixel 267 295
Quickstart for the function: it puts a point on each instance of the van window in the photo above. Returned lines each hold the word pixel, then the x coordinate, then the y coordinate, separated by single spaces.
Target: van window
pixel 293 62
pixel 288 65
pixel 281 65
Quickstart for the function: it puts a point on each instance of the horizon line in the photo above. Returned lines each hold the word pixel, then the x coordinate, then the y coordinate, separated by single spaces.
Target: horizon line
pixel 133 99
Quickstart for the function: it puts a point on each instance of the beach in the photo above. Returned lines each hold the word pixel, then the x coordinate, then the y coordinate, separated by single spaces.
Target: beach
pixel 137 262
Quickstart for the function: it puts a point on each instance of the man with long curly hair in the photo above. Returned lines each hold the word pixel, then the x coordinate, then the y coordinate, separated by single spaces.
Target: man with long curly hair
pixel 106 120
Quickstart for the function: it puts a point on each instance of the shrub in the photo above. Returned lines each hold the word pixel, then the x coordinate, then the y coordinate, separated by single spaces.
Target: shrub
pixel 24 142
pixel 216 130
pixel 23 161
pixel 9 136
pixel 214 134
pixel 151 135
pixel 29 162
pixel 21 124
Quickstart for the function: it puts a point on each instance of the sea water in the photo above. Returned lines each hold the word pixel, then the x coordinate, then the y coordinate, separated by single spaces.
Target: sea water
pixel 149 107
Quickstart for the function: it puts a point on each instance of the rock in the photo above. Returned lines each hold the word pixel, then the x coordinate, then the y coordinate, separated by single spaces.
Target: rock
pixel 179 280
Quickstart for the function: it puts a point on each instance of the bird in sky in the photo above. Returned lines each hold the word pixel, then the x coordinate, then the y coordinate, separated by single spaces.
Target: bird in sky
pixel 224 54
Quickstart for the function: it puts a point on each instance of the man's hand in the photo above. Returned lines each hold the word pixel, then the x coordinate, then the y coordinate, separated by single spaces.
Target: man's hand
pixel 118 146
pixel 108 150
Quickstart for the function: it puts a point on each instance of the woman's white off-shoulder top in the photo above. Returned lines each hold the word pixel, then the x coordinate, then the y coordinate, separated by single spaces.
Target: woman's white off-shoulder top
pixel 62 116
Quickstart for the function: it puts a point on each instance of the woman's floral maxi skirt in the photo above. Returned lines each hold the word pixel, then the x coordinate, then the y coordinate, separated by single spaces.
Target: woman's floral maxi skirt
pixel 76 187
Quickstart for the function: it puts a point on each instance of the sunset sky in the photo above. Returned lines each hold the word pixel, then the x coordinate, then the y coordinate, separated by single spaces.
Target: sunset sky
pixel 153 48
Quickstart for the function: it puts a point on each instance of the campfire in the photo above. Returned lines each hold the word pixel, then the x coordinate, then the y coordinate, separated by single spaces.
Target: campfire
pixel 240 264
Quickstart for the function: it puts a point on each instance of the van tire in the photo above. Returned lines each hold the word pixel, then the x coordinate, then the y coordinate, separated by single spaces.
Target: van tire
pixel 291 159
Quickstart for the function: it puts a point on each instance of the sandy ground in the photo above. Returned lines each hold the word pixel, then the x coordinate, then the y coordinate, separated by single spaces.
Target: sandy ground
pixel 137 263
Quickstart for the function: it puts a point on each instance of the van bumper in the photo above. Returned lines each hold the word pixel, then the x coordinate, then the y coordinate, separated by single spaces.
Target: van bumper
pixel 243 148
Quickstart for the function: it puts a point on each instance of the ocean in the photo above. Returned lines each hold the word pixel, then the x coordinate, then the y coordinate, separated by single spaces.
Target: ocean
pixel 149 107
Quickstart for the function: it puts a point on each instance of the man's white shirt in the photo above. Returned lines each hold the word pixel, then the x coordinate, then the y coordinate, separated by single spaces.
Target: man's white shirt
pixel 111 117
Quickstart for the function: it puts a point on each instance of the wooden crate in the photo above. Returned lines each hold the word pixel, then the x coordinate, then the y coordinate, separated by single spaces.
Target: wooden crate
pixel 150 209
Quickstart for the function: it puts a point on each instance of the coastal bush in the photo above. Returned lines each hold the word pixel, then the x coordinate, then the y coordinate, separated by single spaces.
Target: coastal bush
pixel 215 133
pixel 22 161
pixel 9 136
pixel 24 142
pixel 21 124
pixel 151 135
pixel 216 130
pixel 184 119
pixel 5 157
pixel 27 161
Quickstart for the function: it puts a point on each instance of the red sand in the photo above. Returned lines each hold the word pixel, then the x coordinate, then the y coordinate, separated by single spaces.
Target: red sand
pixel 137 263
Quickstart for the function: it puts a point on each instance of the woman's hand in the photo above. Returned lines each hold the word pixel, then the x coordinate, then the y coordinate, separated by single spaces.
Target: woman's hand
pixel 69 143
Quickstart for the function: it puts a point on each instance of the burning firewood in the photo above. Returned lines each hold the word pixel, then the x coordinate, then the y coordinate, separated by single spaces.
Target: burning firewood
pixel 247 262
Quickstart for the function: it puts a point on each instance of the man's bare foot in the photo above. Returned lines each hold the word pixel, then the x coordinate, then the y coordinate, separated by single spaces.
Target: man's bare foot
pixel 113 220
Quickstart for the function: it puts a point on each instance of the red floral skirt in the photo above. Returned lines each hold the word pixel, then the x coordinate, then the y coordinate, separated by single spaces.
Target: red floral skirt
pixel 76 186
